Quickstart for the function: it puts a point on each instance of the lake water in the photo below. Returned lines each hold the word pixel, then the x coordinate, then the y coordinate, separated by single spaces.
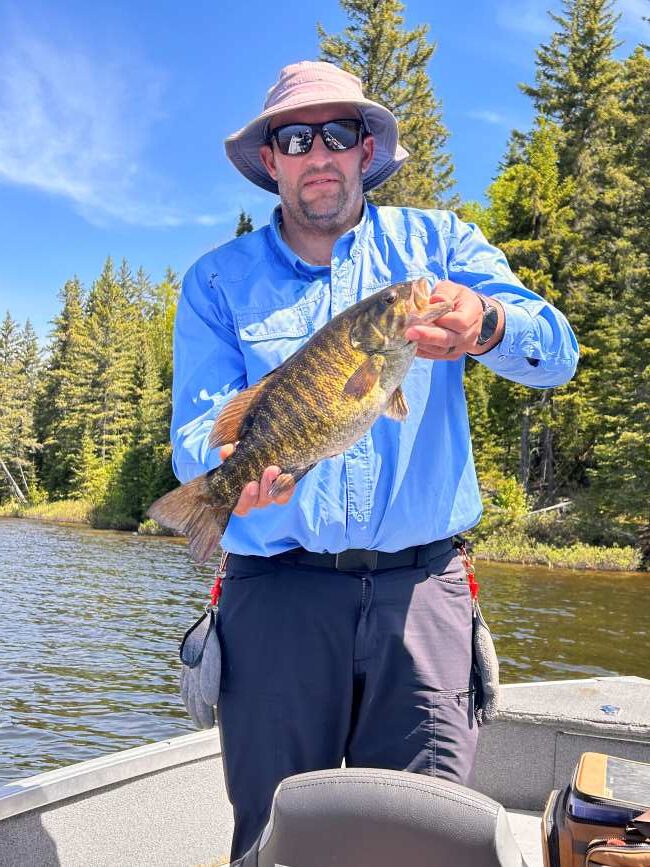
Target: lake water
pixel 91 622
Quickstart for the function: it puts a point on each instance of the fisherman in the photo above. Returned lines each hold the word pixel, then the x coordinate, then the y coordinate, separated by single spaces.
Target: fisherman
pixel 345 621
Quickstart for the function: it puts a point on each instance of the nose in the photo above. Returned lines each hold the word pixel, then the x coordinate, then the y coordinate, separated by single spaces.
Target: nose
pixel 318 148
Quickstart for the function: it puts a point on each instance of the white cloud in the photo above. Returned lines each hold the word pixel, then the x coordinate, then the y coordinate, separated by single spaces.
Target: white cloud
pixel 75 122
pixel 487 116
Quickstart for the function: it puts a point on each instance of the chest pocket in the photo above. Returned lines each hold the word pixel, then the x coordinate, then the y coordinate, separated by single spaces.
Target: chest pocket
pixel 269 337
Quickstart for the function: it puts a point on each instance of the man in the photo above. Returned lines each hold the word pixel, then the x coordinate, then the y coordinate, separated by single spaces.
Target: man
pixel 345 620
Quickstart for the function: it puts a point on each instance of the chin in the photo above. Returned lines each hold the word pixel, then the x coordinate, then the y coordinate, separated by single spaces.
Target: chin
pixel 324 219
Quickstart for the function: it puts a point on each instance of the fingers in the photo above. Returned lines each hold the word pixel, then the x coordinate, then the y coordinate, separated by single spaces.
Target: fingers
pixel 436 342
pixel 452 354
pixel 459 322
pixel 454 333
pixel 255 495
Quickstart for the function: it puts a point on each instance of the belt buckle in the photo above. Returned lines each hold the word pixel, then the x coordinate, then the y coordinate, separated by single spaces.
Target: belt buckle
pixel 356 560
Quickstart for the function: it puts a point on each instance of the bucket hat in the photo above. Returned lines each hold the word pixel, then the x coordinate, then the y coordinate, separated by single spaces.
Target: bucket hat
pixel 310 83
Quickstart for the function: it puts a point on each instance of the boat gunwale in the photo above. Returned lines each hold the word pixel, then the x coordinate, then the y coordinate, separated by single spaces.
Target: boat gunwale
pixel 53 787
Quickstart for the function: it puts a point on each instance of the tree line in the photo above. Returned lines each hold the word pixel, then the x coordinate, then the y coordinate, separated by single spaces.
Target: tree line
pixel 91 419
pixel 570 207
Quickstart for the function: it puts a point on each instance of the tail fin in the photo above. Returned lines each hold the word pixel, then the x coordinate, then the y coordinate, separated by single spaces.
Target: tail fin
pixel 191 510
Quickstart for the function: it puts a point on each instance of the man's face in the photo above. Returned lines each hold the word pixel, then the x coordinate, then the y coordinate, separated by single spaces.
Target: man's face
pixel 322 189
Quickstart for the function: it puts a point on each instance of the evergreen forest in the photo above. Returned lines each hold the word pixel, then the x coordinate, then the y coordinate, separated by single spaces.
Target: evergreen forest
pixel 86 419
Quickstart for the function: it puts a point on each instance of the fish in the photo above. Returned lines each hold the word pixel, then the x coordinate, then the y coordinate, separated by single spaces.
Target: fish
pixel 315 405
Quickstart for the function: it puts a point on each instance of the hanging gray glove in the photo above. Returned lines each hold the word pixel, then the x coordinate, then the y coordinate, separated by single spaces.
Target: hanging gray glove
pixel 486 667
pixel 200 654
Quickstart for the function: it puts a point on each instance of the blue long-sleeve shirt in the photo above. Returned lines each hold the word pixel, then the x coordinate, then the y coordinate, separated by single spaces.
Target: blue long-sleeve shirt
pixel 248 305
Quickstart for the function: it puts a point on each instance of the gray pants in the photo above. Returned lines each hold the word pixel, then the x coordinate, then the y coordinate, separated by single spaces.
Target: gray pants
pixel 321 666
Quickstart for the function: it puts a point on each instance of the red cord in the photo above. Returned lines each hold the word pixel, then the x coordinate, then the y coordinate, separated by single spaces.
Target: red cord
pixel 215 593
pixel 469 569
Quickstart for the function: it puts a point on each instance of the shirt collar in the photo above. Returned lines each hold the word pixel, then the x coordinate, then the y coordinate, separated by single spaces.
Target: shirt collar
pixel 348 244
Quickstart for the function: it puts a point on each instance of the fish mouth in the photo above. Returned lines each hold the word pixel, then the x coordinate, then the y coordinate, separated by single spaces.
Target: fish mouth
pixel 420 309
pixel 418 300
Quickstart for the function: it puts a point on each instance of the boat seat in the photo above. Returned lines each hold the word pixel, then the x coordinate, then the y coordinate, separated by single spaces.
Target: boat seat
pixel 358 817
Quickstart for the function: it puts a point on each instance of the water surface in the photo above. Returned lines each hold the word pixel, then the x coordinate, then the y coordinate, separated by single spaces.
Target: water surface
pixel 91 622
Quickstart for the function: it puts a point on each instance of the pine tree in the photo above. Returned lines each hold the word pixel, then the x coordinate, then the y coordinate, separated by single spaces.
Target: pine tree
pixel 245 224
pixel 160 314
pixel 575 229
pixel 144 472
pixel 577 76
pixel 10 407
pixel 28 376
pixel 60 419
pixel 19 371
pixel 131 288
pixel 392 64
pixel 621 470
pixel 530 218
pixel 113 345
pixel 90 473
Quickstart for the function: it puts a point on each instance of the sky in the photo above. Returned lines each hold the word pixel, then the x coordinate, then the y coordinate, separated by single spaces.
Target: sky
pixel 113 116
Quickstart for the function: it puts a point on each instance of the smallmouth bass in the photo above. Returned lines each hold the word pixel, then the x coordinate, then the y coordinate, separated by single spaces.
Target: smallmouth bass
pixel 315 405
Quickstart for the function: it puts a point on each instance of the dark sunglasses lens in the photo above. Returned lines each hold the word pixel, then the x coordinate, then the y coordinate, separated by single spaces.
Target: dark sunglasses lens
pixel 340 135
pixel 294 139
pixel 297 138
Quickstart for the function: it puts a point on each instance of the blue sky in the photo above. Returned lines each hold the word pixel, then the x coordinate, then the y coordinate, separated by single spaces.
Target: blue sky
pixel 113 115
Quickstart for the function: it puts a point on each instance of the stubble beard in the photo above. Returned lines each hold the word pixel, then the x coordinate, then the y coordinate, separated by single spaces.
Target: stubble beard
pixel 327 215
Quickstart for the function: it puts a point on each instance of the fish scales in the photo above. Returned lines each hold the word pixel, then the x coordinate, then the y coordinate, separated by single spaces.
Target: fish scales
pixel 314 406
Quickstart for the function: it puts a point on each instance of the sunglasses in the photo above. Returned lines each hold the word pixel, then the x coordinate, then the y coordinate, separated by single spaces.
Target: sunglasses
pixel 296 139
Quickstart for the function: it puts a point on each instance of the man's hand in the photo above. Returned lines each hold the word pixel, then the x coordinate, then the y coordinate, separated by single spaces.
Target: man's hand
pixel 455 333
pixel 255 495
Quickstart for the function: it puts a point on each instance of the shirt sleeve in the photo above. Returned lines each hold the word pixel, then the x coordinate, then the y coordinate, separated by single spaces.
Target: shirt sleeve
pixel 538 348
pixel 208 370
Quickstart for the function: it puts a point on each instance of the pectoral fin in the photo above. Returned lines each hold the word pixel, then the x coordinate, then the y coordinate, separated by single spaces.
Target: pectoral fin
pixel 397 407
pixel 227 428
pixel 364 377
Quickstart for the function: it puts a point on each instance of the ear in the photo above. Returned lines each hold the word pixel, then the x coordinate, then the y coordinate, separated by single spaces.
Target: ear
pixel 368 150
pixel 268 160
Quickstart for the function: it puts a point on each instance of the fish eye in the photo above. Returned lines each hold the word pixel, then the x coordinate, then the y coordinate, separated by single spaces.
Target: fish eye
pixel 391 296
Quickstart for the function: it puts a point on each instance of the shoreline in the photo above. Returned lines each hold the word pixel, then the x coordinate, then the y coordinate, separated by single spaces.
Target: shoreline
pixel 526 552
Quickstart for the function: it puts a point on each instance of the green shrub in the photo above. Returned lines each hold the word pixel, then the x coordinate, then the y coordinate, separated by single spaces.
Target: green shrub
pixel 520 549
pixel 505 506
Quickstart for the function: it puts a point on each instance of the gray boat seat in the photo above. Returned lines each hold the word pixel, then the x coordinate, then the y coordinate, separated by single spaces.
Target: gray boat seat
pixel 368 817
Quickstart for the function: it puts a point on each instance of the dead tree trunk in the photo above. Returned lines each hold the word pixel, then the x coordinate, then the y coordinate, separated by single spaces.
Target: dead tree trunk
pixel 12 482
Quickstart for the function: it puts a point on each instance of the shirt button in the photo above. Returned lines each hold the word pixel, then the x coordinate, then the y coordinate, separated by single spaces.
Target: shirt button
pixel 359 517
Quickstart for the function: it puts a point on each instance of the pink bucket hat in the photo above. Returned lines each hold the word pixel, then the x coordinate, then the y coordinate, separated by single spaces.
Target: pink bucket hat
pixel 317 83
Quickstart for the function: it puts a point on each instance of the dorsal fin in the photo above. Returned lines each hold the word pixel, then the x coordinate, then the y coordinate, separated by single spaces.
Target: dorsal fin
pixel 227 427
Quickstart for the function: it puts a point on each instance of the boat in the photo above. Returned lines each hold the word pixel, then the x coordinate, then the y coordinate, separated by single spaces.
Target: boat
pixel 165 803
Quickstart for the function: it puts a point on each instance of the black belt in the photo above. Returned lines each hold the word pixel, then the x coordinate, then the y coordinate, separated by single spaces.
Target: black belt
pixel 355 559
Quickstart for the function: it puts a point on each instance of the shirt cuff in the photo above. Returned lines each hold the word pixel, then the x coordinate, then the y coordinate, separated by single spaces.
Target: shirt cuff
pixel 520 355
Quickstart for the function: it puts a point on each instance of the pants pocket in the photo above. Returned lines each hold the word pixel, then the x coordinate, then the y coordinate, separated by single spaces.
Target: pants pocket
pixel 454 735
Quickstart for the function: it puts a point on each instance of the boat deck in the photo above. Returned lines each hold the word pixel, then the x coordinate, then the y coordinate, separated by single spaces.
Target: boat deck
pixel 166 804
pixel 527 829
